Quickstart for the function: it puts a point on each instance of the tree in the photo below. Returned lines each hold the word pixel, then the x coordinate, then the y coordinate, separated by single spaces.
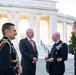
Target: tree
pixel 72 44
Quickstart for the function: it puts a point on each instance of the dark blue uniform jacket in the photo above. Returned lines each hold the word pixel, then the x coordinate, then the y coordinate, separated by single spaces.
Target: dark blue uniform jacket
pixel 8 59
pixel 59 52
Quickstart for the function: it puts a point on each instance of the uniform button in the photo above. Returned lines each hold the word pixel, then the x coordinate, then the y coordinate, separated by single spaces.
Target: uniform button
pixel 56 53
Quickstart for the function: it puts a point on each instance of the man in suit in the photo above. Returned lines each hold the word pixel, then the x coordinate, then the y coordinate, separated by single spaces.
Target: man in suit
pixel 9 64
pixel 74 31
pixel 57 56
pixel 29 54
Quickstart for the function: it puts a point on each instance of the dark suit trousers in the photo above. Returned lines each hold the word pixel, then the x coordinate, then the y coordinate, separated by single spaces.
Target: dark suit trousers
pixel 30 71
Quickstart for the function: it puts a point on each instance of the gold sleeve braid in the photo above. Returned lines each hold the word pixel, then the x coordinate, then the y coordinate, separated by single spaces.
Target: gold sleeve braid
pixel 59 59
pixel 3 43
pixel 16 61
pixel 17 58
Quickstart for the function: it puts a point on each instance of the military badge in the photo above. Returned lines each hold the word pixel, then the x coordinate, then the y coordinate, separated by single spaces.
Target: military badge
pixel 59 46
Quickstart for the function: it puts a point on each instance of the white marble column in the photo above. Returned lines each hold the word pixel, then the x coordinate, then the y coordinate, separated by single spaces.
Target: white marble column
pixel 9 16
pixel 31 21
pixel 16 22
pixel 53 25
pixel 65 31
pixel 38 29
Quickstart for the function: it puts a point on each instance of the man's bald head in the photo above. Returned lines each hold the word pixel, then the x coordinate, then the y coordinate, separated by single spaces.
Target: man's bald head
pixel 29 33
pixel 56 36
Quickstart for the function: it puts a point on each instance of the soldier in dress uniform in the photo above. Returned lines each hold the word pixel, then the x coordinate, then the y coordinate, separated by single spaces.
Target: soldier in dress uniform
pixel 9 63
pixel 74 31
pixel 57 56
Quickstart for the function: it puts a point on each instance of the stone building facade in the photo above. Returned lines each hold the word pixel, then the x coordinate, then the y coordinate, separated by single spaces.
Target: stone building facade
pixel 40 15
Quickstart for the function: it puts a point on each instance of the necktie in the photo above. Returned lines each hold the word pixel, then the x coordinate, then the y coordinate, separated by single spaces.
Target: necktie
pixel 32 44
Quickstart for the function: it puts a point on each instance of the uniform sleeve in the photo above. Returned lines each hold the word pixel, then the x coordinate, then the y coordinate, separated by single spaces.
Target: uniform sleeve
pixel 49 55
pixel 64 53
pixel 24 52
pixel 6 60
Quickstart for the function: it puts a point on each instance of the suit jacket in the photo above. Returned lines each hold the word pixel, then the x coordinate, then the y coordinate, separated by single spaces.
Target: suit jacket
pixel 59 53
pixel 27 53
pixel 7 58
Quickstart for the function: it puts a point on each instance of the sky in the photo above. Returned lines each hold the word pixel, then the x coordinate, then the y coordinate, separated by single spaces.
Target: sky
pixel 67 7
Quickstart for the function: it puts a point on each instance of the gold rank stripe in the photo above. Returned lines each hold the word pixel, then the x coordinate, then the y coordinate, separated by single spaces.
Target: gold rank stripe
pixel 59 59
pixel 16 60
pixel 3 43
pixel 16 66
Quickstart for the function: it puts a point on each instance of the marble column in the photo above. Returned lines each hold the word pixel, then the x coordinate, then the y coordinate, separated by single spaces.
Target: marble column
pixel 16 22
pixel 31 21
pixel 9 16
pixel 38 29
pixel 65 31
pixel 53 25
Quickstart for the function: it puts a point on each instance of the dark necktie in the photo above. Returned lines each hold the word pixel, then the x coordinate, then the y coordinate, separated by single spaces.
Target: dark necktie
pixel 32 44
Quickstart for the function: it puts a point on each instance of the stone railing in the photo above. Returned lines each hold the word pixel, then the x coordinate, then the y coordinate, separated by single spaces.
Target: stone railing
pixel 45 48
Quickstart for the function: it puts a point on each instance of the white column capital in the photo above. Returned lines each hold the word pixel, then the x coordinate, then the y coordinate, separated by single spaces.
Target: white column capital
pixel 53 13
pixel 9 11
pixel 31 13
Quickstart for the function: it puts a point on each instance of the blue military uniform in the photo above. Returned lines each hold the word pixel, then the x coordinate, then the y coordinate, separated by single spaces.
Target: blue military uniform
pixel 8 57
pixel 59 53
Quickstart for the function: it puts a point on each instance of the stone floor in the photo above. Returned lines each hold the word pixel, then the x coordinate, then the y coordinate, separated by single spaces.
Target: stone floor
pixel 41 67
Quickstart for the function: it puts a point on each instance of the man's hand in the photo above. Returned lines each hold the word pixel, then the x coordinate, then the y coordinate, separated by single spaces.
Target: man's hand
pixel 46 58
pixel 34 60
pixel 19 69
pixel 50 60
